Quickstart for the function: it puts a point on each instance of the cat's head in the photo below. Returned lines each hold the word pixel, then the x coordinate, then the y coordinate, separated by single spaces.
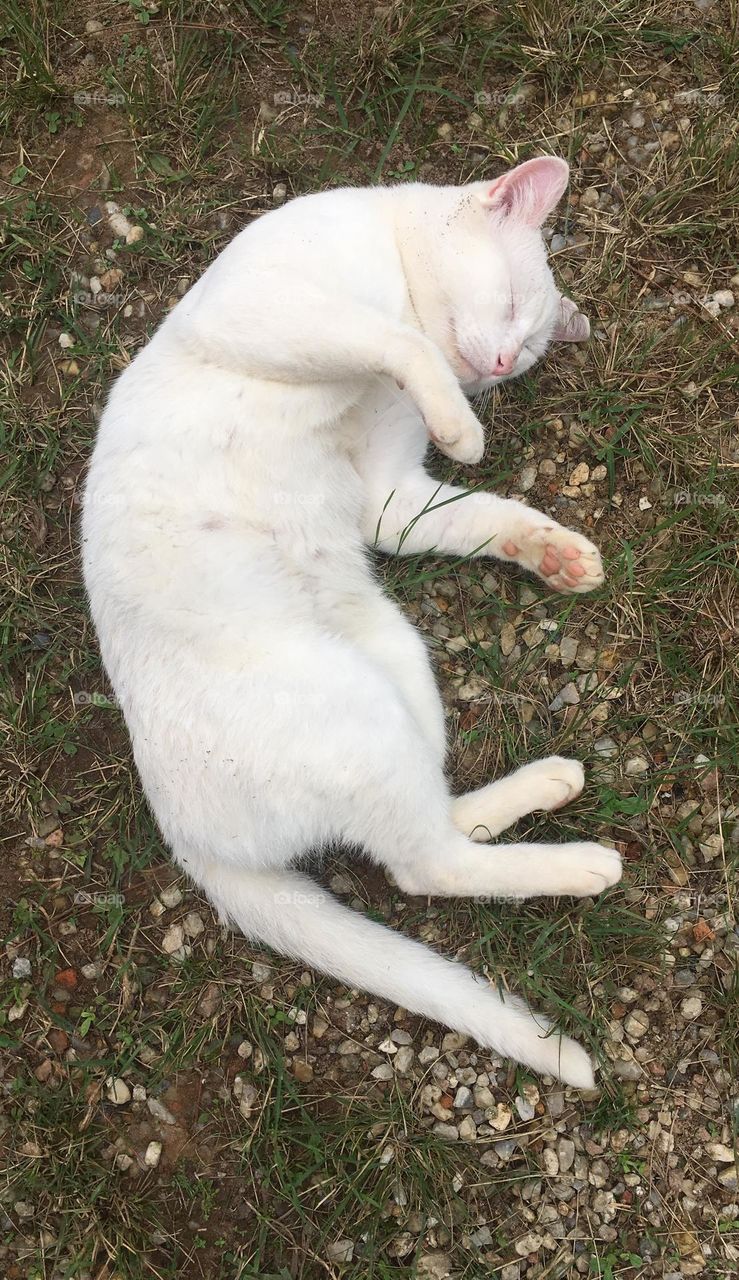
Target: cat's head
pixel 496 306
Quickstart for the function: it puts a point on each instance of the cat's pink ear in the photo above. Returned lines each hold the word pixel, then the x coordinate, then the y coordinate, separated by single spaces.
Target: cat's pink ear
pixel 529 192
pixel 572 325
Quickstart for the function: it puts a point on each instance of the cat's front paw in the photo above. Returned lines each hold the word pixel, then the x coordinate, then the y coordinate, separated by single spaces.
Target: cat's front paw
pixel 565 560
pixel 458 435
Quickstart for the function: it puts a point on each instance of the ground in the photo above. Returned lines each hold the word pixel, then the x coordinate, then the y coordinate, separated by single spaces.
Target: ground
pixel 176 1103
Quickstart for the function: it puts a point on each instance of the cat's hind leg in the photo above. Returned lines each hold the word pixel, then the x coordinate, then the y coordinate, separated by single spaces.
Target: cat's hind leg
pixel 541 786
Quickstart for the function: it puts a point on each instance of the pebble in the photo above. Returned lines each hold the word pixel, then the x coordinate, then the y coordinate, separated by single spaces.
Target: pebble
pixel 724 298
pixel 719 1151
pixel 636 766
pixel 193 924
pixel 525 1109
pixel 21 967
pixel 340 1251
pixel 566 1154
pixel 636 1024
pixel 160 1112
pixel 691 1008
pixel 171 897
pixel 568 696
pixel 527 479
pixel 117 1091
pixel 580 475
pixel 530 1243
pixel 507 639
pixel 173 939
pixel 403 1060
pixel 153 1155
pixel 279 193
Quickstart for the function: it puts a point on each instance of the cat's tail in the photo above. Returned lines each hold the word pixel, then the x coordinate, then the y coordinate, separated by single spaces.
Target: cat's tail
pixel 298 918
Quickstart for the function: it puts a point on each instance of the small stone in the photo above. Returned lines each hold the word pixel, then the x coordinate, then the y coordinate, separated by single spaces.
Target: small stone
pixel 525 1109
pixel 483 1097
pixel 21 967
pixel 507 639
pixel 636 120
pixel 66 341
pixel 606 747
pixel 636 1024
pixel 123 1161
pixel 568 696
pixel 467 1129
pixel 173 939
pixel 383 1072
pixel 171 897
pixel 527 479
pixel 645 504
pixel 530 1243
pixel 550 1162
pixel 428 1054
pixel 502 1118
pixel 568 646
pixel 153 1155
pixel 727 1178
pixel 117 1091
pixel 590 198
pixel 453 1041
pixel 724 298
pixel 341 1251
pixel 636 766
pixel 134 235
pixel 691 1008
pixel 403 1060
pixel 446 1131
pixel 193 924
pixel 92 26
pixel 566 1154
pixel 158 1110
pixel 719 1151
pixel 210 1000
pixel 580 475
pixel 279 193
pixel 302 1071
pixel 463 1098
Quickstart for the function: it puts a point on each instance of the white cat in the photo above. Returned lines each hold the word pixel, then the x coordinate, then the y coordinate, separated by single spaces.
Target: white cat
pixel 277 701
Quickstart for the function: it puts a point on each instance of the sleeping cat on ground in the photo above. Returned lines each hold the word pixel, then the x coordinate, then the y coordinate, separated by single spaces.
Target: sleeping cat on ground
pixel 278 702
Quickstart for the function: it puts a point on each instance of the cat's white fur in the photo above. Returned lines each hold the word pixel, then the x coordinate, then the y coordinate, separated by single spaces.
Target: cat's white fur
pixel 277 701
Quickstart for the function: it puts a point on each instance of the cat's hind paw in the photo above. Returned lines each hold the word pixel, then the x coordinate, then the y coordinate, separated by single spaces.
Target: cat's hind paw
pixel 565 560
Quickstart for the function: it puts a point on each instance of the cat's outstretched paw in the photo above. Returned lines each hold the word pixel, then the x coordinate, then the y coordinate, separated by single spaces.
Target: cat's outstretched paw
pixel 564 559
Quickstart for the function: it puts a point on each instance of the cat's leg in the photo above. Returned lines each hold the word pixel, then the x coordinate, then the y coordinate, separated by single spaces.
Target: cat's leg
pixel 325 339
pixel 412 513
pixel 538 787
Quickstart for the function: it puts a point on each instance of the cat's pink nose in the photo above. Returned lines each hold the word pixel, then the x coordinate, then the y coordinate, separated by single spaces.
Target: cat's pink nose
pixel 504 364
